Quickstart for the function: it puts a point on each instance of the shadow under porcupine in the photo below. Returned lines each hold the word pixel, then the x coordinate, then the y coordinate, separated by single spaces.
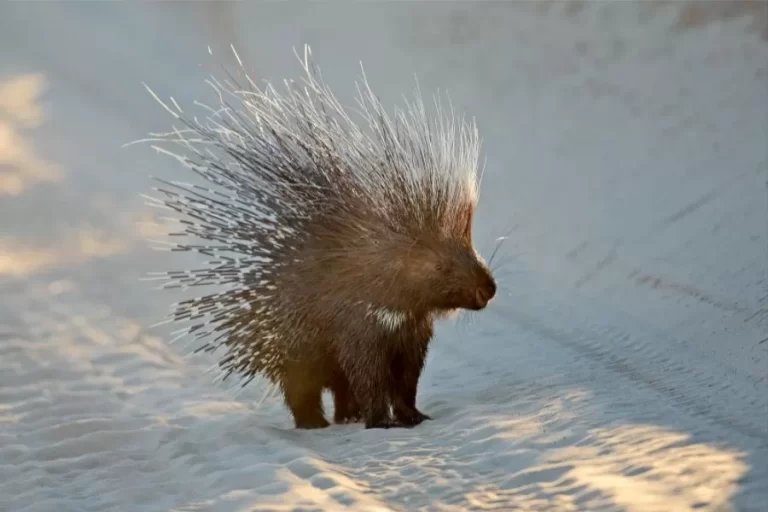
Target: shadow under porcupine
pixel 338 246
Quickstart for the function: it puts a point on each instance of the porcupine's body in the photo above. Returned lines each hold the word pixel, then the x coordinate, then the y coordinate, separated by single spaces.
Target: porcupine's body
pixel 338 247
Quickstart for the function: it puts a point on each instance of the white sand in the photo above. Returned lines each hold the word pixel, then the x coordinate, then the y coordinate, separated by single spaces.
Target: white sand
pixel 623 367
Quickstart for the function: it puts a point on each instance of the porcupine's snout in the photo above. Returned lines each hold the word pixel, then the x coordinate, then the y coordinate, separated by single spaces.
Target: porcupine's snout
pixel 485 293
pixel 464 282
pixel 485 290
pixel 478 285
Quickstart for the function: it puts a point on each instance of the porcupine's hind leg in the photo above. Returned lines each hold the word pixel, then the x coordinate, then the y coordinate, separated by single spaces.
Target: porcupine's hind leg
pixel 303 388
pixel 346 409
pixel 406 369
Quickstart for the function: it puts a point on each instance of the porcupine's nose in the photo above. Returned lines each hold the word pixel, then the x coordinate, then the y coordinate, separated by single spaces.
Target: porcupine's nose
pixel 485 293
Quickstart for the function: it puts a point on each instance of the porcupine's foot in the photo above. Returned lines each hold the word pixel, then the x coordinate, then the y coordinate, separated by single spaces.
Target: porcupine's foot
pixel 341 417
pixel 311 423
pixel 382 419
pixel 376 414
pixel 308 415
pixel 385 423
pixel 409 416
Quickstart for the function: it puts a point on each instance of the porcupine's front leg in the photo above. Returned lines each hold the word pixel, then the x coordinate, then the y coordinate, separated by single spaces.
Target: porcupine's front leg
pixel 406 369
pixel 346 409
pixel 367 371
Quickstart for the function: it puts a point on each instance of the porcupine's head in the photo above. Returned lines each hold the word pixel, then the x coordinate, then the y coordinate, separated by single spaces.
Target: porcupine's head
pixel 418 257
pixel 302 206
pixel 445 275
pixel 396 231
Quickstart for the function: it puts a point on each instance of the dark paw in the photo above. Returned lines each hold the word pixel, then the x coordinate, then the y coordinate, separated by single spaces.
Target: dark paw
pixel 347 413
pixel 411 417
pixel 312 423
pixel 384 423
pixel 348 418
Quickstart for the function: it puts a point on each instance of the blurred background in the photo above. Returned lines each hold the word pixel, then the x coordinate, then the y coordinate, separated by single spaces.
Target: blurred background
pixel 626 148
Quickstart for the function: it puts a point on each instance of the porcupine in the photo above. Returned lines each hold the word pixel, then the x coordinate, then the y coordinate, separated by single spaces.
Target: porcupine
pixel 339 247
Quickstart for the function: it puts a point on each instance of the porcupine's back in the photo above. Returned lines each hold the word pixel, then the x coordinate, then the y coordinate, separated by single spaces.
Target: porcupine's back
pixel 312 218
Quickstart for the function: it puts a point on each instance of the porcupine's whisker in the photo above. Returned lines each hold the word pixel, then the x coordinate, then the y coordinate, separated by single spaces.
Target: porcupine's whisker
pixel 499 243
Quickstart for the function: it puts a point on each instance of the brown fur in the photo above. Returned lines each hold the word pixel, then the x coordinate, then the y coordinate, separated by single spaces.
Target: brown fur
pixel 337 345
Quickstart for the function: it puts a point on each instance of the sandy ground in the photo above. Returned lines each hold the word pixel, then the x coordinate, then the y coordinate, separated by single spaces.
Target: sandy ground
pixel 623 367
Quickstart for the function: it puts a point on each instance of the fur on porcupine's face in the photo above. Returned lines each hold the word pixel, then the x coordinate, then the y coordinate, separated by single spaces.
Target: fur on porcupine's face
pixel 447 273
pixel 453 276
